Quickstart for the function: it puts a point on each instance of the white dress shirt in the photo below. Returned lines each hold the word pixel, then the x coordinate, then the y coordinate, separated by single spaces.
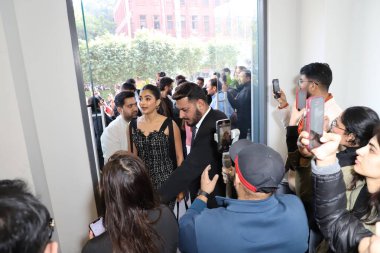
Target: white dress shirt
pixel 114 137
pixel 198 125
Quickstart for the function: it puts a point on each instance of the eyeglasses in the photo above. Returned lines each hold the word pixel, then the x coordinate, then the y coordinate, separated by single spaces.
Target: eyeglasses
pixel 335 124
pixel 300 82
pixel 51 227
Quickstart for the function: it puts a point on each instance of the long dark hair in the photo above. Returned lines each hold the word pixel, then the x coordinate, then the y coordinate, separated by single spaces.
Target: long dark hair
pixel 373 207
pixel 359 121
pixel 128 194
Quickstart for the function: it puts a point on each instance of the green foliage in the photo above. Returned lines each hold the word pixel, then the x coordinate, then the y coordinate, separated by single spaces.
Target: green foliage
pixel 115 59
pixel 221 54
pixel 108 56
pixel 98 17
pixel 149 54
pixel 189 58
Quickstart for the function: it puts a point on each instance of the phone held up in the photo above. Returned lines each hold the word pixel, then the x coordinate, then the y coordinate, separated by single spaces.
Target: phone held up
pixel 97 227
pixel 300 99
pixel 223 130
pixel 315 111
pixel 276 88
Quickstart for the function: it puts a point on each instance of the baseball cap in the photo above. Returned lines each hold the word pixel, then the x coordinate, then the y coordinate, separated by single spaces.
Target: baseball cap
pixel 257 166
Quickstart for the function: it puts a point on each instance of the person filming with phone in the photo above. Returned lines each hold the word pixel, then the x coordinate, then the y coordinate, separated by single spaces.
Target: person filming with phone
pixel 255 222
pixel 315 80
pixel 344 229
pixel 134 220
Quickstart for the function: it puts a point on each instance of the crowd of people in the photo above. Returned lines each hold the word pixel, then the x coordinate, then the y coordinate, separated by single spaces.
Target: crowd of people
pixel 158 149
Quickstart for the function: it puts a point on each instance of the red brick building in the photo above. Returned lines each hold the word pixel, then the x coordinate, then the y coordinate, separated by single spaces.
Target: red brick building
pixel 178 18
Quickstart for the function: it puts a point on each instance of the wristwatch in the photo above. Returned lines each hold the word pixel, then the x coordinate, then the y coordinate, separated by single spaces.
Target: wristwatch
pixel 203 193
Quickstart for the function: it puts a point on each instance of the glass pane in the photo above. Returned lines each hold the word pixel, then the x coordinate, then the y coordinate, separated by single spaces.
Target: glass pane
pixel 124 39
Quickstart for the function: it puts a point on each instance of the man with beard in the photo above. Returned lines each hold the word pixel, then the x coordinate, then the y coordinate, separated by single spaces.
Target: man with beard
pixel 194 110
pixel 242 103
pixel 166 87
pixel 315 79
pixel 114 137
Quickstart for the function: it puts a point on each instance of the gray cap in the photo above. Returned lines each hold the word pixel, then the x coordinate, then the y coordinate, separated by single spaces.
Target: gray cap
pixel 257 165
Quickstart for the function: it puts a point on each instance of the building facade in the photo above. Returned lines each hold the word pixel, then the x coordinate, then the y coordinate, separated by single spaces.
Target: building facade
pixel 177 18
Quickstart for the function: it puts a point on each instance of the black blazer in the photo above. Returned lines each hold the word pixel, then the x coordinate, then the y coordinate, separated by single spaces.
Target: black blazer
pixel 203 152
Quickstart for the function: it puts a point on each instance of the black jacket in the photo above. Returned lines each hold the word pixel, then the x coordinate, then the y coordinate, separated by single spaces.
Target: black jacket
pixel 202 153
pixel 242 103
pixel 163 222
pixel 340 227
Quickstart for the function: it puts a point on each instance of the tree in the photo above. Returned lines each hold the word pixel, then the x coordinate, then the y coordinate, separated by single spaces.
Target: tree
pixel 221 54
pixel 115 59
pixel 108 56
pixel 98 17
pixel 149 54
pixel 189 58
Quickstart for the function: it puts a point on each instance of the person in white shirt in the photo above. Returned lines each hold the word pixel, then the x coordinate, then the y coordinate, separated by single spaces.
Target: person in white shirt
pixel 316 79
pixel 114 137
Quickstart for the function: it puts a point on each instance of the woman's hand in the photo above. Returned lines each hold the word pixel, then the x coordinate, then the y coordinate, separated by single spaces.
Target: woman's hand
pixel 208 185
pixel 180 196
pixel 302 143
pixel 326 153
pixel 228 174
pixel 371 244
pixel 90 234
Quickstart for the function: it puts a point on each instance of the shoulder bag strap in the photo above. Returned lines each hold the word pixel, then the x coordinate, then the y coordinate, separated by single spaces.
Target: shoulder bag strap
pixel 172 152
pixel 132 124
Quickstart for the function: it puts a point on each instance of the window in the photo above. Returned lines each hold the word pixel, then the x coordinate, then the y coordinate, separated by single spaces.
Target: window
pixel 194 22
pixel 156 22
pixel 143 21
pixel 209 22
pixel 228 25
pixel 183 23
pixel 239 29
pixel 169 23
pixel 218 25
pixel 206 20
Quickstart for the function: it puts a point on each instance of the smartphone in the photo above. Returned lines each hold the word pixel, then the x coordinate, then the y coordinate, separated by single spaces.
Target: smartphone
pixel 223 130
pixel 227 163
pixel 300 99
pixel 97 226
pixel 276 89
pixel 315 111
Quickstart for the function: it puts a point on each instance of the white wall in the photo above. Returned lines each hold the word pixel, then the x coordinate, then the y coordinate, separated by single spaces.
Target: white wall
pixel 343 33
pixel 283 61
pixel 13 151
pixel 43 130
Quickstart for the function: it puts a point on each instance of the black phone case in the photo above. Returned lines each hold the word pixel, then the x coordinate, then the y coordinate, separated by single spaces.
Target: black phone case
pixel 276 88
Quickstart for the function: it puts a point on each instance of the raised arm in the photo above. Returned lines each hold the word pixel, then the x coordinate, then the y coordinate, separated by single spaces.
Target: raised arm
pixel 178 144
pixel 341 228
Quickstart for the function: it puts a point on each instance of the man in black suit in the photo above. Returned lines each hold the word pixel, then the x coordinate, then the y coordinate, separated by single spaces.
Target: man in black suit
pixel 242 103
pixel 194 110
